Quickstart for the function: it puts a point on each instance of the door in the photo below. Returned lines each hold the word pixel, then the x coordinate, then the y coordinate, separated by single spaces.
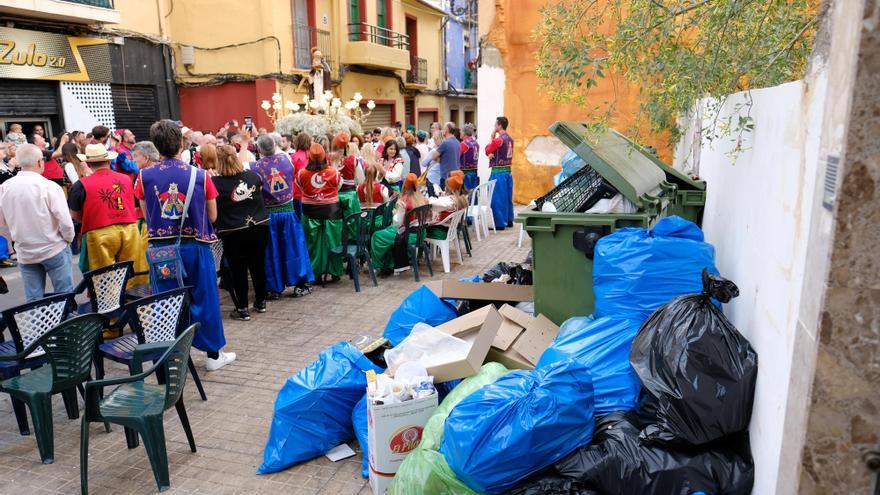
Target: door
pixel 383 21
pixel 302 35
pixel 409 110
pixel 356 15
pixel 412 33
pixel 29 102
pixel 426 119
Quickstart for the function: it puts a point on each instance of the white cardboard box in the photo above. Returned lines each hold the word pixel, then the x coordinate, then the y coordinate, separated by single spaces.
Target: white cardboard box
pixel 393 430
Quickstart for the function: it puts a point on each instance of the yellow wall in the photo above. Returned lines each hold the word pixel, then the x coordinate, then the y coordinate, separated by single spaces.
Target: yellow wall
pixel 430 39
pixel 140 16
pixel 529 112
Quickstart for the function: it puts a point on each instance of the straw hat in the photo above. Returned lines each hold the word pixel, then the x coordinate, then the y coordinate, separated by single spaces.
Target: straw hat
pixel 97 153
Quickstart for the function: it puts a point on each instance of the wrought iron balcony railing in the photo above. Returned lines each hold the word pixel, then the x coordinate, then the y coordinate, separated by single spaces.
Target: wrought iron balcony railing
pixel 307 37
pixel 418 71
pixel 361 31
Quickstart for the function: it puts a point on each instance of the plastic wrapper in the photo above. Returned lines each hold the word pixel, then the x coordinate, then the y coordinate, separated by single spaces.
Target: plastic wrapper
pixel 314 407
pixel 617 462
pixel 422 306
pixel 635 271
pixel 602 345
pixel 427 346
pixel 519 425
pixel 424 470
pixel 699 370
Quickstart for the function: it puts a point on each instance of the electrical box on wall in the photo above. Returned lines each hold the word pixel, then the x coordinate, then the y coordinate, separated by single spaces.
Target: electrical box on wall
pixel 187 55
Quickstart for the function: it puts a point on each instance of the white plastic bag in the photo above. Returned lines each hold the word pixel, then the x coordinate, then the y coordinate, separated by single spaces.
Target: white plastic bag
pixel 428 346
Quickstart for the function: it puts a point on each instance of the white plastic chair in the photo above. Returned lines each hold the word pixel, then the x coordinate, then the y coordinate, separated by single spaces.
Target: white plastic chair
pixel 487 207
pixel 475 211
pixel 451 222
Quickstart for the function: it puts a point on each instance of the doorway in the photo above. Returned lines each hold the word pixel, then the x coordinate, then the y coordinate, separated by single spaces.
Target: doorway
pixel 27 126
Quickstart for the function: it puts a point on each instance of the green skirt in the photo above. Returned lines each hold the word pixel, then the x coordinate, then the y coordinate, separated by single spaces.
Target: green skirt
pixel 348 201
pixel 382 245
pixel 321 237
pixel 437 233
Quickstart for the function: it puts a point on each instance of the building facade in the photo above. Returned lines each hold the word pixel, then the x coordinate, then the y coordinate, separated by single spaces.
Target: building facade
pixel 62 69
pixel 461 41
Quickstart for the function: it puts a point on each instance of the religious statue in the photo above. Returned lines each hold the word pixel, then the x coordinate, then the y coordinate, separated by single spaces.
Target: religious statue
pixel 319 76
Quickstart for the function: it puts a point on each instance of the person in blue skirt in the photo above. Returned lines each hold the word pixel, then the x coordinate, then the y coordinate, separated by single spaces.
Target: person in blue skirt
pixel 287 257
pixel 500 153
pixel 162 191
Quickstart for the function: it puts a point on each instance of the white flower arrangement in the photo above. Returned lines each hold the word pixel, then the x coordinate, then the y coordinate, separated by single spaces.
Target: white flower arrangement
pixel 320 115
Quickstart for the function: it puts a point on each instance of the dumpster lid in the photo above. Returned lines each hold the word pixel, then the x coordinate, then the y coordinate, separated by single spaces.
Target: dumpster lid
pixel 618 160
pixel 672 175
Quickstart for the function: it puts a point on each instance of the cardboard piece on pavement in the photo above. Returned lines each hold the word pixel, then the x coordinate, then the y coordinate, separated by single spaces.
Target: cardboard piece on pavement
pixel 477 328
pixel 393 430
pixel 525 339
pixel 341 451
pixel 480 291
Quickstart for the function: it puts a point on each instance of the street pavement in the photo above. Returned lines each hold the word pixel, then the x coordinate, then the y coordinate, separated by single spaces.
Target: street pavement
pixel 231 427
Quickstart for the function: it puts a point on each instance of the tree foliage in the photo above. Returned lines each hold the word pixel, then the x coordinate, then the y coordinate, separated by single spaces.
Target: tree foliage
pixel 675 51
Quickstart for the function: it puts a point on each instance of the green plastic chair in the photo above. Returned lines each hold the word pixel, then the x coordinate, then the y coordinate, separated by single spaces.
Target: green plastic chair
pixel 71 348
pixel 140 406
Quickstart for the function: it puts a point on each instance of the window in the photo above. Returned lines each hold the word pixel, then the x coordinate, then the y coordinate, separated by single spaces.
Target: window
pixel 453 116
pixel 355 18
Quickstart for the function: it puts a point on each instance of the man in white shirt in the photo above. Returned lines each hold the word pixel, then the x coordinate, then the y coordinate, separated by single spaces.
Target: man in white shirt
pixel 34 214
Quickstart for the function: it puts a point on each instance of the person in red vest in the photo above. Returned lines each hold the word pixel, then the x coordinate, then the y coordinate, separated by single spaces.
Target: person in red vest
pixel 53 170
pixel 104 203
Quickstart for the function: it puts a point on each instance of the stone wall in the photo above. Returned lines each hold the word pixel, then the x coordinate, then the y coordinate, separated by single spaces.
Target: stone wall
pixel 844 419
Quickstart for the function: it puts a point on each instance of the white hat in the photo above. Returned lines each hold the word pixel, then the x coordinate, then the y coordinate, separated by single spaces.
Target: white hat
pixel 97 153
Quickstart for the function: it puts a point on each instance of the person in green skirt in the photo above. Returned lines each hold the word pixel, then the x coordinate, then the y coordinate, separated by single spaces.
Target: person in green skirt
pixel 322 213
pixel 388 244
pixel 345 158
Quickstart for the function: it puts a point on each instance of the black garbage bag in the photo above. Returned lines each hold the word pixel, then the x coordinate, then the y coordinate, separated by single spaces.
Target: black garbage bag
pixel 517 274
pixel 699 371
pixel 549 483
pixel 617 462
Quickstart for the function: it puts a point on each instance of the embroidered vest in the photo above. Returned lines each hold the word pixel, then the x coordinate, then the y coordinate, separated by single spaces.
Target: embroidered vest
pixel 277 174
pixel 165 185
pixel 347 171
pixel 503 156
pixel 319 187
pixel 109 200
pixel 470 157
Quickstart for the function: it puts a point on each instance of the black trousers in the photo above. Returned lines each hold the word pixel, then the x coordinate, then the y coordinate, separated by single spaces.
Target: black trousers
pixel 245 251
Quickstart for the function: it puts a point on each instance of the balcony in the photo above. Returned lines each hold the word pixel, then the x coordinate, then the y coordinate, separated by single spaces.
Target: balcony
pixel 378 47
pixel 74 11
pixel 307 37
pixel 417 75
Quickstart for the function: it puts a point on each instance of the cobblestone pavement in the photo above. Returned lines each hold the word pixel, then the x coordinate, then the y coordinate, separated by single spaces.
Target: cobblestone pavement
pixel 231 427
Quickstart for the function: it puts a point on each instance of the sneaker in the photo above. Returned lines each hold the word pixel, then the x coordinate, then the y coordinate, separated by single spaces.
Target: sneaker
pixel 240 315
pixel 301 290
pixel 260 307
pixel 221 361
pixel 402 269
pixel 7 263
pixel 273 296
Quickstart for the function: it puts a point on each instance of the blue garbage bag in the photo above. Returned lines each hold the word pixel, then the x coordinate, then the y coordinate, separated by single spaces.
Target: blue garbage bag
pixel 636 271
pixel 602 345
pixel 522 423
pixel 359 420
pixel 314 408
pixel 422 306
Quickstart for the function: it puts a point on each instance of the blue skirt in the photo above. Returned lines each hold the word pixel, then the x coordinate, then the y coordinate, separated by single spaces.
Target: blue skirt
pixel 201 276
pixel 502 200
pixel 471 181
pixel 4 248
pixel 287 256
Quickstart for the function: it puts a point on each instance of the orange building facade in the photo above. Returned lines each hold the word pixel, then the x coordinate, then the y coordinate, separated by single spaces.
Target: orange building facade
pixel 506 28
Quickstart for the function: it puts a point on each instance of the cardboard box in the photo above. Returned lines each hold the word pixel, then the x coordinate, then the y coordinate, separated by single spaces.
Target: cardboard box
pixel 453 289
pixel 393 430
pixel 521 339
pixel 478 329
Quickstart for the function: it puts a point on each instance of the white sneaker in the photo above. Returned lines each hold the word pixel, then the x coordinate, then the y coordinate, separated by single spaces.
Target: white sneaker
pixel 224 359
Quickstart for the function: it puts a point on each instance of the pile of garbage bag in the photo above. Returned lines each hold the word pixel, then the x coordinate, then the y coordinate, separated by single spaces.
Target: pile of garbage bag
pixel 571 163
pixel 652 394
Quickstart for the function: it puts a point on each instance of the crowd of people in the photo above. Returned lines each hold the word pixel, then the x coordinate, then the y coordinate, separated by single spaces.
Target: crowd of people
pixel 276 203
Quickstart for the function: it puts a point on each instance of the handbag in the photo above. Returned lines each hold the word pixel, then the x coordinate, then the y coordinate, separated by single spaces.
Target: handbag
pixel 165 261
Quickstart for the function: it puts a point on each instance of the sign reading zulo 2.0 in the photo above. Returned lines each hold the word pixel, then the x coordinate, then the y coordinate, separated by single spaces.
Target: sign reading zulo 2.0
pixel 37 55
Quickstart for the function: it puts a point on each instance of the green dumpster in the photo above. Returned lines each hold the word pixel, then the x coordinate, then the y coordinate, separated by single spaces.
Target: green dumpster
pixel 564 235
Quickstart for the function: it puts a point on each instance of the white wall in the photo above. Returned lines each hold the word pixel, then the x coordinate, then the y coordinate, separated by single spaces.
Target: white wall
pixel 758 213
pixel 490 94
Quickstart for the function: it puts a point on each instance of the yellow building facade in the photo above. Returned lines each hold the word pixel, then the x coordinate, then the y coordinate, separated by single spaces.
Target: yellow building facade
pixel 230 55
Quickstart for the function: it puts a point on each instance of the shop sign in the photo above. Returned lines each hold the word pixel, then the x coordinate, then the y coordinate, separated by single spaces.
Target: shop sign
pixel 37 55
